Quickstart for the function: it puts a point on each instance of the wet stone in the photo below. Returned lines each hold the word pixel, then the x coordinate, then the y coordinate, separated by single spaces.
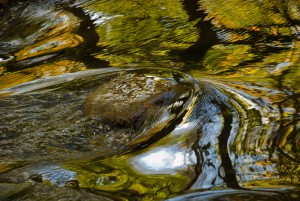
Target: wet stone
pixel 131 100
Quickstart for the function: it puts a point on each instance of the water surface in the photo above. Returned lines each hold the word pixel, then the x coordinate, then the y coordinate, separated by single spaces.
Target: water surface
pixel 149 100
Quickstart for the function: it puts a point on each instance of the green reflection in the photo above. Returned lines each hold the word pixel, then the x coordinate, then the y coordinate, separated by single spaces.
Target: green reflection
pixel 237 14
pixel 225 57
pixel 117 175
pixel 143 31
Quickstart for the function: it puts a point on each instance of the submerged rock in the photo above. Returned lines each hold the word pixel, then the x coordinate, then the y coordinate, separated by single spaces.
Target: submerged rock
pixel 90 115
pixel 128 101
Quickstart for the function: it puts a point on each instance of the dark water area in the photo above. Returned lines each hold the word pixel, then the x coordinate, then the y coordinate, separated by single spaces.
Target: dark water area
pixel 150 100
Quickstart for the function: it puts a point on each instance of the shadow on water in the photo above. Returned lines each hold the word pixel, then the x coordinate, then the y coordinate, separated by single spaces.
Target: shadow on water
pixel 201 101
pixel 207 36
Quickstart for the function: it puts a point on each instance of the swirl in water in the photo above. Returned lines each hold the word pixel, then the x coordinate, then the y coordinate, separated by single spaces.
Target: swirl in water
pixel 152 133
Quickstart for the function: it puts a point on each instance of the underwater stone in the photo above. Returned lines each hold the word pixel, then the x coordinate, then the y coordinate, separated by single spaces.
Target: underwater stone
pixel 130 100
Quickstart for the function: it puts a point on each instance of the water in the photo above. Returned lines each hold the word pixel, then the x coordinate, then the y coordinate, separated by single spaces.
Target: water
pixel 149 100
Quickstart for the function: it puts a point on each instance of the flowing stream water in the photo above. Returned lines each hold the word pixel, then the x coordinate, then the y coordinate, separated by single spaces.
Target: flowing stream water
pixel 150 100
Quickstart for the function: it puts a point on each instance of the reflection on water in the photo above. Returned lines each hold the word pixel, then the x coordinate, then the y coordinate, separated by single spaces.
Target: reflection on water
pixel 149 100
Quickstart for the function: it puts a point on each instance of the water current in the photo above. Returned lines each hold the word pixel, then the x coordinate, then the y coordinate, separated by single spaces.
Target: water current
pixel 150 100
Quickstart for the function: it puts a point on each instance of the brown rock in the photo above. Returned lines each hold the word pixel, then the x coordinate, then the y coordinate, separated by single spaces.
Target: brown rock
pixel 128 101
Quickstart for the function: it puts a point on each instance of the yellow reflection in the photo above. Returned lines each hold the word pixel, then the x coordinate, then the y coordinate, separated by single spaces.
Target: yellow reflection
pixel 50 45
pixel 50 69
pixel 245 14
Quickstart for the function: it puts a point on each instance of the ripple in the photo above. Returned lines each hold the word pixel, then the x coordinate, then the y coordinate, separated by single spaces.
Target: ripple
pixel 124 130
pixel 233 195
